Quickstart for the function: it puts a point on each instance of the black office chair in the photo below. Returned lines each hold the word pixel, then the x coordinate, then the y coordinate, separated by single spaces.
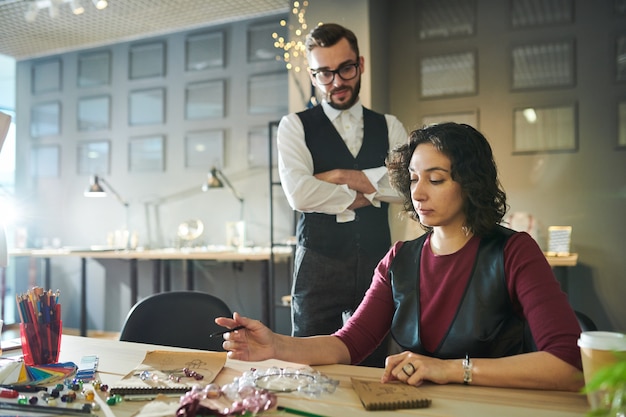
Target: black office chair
pixel 585 322
pixel 176 318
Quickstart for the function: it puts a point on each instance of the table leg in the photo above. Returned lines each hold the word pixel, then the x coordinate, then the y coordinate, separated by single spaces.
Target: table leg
pixel 47 280
pixel 190 278
pixel 167 275
pixel 156 276
pixel 83 296
pixel 134 286
pixel 267 299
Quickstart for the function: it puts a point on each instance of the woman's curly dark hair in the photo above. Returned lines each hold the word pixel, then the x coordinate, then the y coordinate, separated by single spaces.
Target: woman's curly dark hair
pixel 473 167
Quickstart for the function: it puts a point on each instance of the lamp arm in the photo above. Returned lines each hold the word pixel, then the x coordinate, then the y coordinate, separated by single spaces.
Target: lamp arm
pixel 126 205
pixel 232 189
pixel 115 193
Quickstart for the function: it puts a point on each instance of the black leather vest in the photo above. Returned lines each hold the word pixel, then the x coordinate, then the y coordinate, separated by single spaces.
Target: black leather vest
pixel 484 325
pixel 369 231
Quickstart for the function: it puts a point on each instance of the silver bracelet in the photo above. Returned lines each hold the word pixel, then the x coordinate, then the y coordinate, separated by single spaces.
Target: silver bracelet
pixel 467 370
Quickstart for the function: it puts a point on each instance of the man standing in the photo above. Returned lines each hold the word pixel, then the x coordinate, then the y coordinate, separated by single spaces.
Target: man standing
pixel 332 169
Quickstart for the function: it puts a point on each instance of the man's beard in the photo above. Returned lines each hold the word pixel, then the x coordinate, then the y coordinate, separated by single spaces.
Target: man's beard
pixel 353 98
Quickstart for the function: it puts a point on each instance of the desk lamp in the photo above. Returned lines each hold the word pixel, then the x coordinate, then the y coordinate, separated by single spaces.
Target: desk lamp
pixel 217 179
pixel 96 190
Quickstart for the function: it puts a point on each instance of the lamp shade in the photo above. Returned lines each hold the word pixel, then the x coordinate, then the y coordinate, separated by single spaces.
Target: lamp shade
pixel 95 189
pixel 213 180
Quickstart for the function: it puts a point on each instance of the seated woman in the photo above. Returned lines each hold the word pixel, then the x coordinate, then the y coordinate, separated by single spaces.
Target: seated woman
pixel 458 300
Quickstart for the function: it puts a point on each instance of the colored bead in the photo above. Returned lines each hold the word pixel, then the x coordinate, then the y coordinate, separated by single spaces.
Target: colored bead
pixel 104 387
pixel 60 387
pixel 95 406
pixel 52 402
pixel 55 393
pixel 22 400
pixel 87 408
pixel 90 395
pixel 111 401
pixel 33 400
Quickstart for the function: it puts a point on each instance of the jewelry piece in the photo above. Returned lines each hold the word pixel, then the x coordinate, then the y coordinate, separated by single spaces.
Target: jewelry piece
pixel 467 370
pixel 408 369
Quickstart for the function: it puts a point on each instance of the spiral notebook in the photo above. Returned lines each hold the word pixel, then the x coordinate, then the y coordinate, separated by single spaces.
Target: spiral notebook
pixel 161 372
pixel 375 395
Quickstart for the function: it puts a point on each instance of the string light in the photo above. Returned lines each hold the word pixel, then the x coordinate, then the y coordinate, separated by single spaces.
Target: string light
pixel 293 50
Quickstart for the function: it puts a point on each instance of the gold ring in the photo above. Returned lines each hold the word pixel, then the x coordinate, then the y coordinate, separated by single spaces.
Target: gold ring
pixel 408 369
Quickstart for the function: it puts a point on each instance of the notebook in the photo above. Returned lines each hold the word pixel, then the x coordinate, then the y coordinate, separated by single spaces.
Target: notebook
pixel 161 372
pixel 375 395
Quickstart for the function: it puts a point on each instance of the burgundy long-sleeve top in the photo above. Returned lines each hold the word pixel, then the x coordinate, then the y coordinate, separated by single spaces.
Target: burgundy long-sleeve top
pixel 533 289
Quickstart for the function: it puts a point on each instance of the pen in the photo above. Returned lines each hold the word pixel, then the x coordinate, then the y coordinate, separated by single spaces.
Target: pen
pixel 24 388
pixel 45 409
pixel 149 397
pixel 298 412
pixel 226 331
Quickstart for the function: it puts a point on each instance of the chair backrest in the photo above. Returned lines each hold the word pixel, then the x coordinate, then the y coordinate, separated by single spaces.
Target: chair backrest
pixel 585 322
pixel 176 318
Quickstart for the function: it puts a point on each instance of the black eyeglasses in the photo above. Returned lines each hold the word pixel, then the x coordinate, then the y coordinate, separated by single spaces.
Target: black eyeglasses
pixel 345 72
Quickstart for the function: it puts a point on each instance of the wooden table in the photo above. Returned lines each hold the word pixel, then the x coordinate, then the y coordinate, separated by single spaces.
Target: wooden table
pixel 118 358
pixel 570 259
pixel 157 256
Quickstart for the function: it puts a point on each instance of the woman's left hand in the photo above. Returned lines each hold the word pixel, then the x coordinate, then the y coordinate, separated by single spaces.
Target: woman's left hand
pixel 414 369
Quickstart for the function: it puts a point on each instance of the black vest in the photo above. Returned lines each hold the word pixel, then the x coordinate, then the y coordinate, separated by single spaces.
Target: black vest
pixel 484 326
pixel 369 231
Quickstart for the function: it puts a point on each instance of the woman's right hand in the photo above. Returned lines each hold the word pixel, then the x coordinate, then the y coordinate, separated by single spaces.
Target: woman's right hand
pixel 256 342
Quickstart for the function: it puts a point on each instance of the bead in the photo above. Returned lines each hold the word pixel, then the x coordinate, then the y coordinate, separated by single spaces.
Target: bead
pixel 86 408
pixel 33 400
pixel 95 406
pixel 55 393
pixel 60 387
pixel 52 402
pixel 96 384
pixel 114 399
pixel 22 400
pixel 104 387
pixel 90 395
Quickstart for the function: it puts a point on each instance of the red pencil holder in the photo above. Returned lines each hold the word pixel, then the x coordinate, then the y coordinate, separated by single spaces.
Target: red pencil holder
pixel 41 342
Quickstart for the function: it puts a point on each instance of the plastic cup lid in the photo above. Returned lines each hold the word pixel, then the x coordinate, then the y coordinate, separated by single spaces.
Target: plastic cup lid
pixel 603 340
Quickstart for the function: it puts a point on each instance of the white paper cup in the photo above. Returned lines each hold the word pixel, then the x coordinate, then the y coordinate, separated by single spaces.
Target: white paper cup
pixel 597 350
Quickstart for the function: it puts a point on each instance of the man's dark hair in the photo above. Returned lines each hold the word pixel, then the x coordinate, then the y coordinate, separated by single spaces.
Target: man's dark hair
pixel 328 34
